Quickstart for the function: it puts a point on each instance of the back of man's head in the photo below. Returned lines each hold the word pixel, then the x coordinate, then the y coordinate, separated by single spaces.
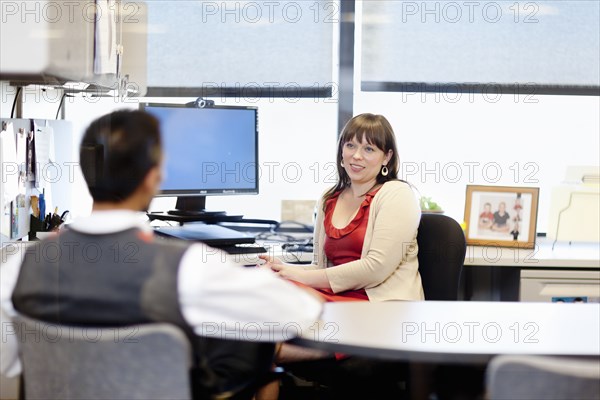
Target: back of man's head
pixel 116 153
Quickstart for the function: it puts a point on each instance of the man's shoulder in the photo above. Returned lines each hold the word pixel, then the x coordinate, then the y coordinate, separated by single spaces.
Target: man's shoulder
pixel 132 237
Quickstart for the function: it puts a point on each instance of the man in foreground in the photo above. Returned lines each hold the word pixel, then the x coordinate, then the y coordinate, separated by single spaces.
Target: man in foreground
pixel 109 270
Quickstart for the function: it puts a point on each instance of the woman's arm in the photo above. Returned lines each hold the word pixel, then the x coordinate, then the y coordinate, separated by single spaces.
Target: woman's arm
pixel 395 228
pixel 317 248
pixel 316 278
pixel 312 275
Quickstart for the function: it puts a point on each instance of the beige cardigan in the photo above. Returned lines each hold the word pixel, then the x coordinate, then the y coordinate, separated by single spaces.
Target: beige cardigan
pixel 388 267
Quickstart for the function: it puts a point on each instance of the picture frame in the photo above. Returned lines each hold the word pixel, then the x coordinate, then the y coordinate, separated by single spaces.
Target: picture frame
pixel 501 216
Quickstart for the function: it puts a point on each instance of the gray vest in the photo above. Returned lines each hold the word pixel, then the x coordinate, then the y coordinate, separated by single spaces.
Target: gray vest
pixel 122 279
pixel 101 280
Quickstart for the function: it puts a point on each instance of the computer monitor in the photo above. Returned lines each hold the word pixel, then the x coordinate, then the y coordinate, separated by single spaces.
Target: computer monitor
pixel 208 151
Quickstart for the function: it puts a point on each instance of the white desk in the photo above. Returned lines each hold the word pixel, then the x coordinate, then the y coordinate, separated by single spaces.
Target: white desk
pixel 576 255
pixel 457 332
pixel 494 273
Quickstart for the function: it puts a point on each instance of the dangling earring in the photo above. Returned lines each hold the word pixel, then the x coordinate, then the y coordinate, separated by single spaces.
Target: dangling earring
pixel 384 170
pixel 342 163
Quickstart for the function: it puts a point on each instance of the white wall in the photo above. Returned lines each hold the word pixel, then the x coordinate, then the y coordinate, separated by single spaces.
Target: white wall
pixel 297 139
pixel 446 144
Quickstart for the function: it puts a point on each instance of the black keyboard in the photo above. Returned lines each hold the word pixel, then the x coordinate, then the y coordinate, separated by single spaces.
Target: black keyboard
pixel 212 235
pixel 303 248
pixel 243 249
pixel 184 213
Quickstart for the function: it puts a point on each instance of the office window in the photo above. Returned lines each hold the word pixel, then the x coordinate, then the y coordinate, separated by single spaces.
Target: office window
pixel 447 141
pixel 247 48
pixel 526 47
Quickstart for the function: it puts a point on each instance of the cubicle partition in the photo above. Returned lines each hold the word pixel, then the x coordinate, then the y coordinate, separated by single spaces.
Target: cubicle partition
pixel 37 156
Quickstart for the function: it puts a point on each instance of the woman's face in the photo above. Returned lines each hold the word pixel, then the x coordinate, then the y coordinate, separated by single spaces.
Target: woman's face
pixel 363 161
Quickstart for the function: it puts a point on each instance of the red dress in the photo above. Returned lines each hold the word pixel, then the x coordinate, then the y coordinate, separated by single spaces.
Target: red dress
pixel 345 245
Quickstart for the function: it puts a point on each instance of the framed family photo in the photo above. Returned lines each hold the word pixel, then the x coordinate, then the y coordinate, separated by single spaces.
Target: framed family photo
pixel 501 216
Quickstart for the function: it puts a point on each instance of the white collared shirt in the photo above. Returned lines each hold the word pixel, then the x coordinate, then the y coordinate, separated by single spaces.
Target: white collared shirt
pixel 217 297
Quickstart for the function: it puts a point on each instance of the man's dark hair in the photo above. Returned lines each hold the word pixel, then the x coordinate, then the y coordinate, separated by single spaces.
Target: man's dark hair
pixel 116 153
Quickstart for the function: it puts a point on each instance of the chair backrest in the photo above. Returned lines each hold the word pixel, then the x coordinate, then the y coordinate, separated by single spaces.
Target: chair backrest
pixel 136 362
pixel 543 377
pixel 442 248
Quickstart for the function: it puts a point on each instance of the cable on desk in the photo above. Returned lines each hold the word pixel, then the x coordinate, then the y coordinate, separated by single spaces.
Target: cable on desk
pixel 60 105
pixel 305 227
pixel 276 231
pixel 12 113
pixel 297 259
pixel 302 245
pixel 275 236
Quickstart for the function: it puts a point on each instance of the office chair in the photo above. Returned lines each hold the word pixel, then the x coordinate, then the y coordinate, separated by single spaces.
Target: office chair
pixel 442 248
pixel 543 377
pixel 149 361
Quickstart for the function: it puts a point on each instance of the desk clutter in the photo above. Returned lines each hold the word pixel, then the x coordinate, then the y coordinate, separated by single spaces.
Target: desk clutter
pixel 35 176
pixel 289 240
pixel 213 235
pixel 238 235
pixel 51 222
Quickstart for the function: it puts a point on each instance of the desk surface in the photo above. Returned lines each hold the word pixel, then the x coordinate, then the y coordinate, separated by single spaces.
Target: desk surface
pixel 564 255
pixel 576 255
pixel 469 332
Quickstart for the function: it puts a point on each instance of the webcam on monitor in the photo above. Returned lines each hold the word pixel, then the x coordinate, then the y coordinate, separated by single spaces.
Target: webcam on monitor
pixel 201 103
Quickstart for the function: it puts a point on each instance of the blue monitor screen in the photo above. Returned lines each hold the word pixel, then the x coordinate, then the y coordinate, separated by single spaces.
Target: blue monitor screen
pixel 208 150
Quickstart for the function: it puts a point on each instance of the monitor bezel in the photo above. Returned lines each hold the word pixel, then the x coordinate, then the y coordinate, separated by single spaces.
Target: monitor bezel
pixel 210 192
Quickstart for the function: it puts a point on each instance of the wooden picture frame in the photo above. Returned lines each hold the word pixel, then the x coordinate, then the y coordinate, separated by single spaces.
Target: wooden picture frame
pixel 501 216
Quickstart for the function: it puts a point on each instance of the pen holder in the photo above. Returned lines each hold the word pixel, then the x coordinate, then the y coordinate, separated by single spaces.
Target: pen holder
pixel 35 226
pixel 49 225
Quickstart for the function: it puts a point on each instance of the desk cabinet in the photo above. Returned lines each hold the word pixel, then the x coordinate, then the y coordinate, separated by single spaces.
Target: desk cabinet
pixel 497 273
pixel 557 285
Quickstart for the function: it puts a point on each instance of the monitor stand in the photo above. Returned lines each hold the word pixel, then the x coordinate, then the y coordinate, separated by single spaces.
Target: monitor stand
pixel 192 206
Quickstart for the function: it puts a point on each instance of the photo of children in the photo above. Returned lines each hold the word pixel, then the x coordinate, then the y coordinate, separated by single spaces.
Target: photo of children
pixel 486 218
pixel 500 215
pixel 501 218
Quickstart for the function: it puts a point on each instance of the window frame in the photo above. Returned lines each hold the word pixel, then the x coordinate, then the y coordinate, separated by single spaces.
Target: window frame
pixel 527 89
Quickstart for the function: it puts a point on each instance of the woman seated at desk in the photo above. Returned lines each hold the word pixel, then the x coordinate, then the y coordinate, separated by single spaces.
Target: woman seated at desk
pixel 366 228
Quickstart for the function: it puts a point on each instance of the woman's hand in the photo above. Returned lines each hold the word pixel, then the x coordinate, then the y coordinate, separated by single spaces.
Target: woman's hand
pixel 270 263
pixel 276 265
pixel 314 278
